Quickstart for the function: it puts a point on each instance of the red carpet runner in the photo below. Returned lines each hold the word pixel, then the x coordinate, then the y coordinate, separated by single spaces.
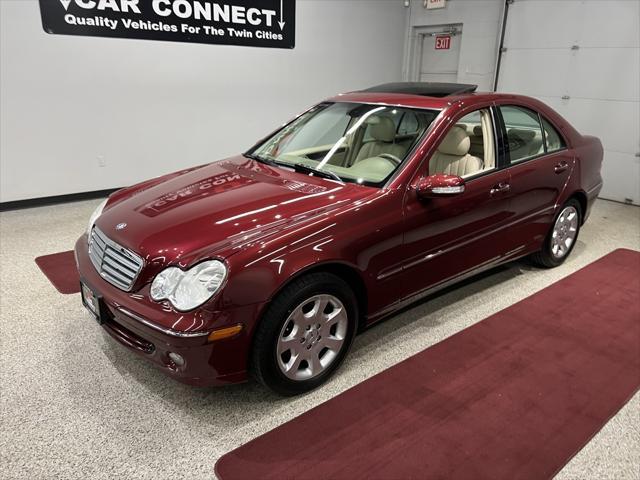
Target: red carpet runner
pixel 512 397
pixel 60 269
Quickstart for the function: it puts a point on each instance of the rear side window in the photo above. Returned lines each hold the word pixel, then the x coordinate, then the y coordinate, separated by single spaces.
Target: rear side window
pixel 553 138
pixel 524 133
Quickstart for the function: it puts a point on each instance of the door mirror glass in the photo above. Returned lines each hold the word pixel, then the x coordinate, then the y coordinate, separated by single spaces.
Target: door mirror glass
pixel 440 185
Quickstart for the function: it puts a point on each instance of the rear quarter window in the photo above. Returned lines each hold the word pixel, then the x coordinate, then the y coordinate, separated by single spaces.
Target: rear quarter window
pixel 553 138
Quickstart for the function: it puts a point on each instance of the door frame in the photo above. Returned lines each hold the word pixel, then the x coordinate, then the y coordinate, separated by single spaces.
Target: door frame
pixel 416 43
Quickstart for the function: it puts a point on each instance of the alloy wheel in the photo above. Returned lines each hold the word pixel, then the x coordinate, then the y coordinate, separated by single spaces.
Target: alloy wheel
pixel 312 337
pixel 564 232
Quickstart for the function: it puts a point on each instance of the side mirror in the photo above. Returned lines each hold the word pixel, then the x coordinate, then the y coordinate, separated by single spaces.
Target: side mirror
pixel 439 185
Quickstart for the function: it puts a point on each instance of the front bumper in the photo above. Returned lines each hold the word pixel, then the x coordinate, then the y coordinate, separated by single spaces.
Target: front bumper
pixel 131 323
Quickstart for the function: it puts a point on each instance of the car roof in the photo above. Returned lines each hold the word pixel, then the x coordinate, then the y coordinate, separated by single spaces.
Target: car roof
pixel 415 94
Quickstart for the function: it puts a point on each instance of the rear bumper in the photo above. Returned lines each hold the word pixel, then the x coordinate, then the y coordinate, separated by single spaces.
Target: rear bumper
pixel 205 363
pixel 592 194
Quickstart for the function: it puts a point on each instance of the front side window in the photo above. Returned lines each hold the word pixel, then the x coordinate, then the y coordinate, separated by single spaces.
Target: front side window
pixel 468 149
pixel 354 142
pixel 524 134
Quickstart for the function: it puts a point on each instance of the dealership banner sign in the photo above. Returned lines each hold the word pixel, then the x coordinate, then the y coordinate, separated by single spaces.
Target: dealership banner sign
pixel 254 23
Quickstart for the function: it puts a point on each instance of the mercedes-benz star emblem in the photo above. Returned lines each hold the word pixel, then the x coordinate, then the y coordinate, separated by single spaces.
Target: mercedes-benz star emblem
pixel 121 226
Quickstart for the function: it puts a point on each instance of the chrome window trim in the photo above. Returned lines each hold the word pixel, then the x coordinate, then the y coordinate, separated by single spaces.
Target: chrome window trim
pixel 535 157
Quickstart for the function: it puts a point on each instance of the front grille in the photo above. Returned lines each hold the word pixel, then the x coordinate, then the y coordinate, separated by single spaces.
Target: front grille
pixel 116 264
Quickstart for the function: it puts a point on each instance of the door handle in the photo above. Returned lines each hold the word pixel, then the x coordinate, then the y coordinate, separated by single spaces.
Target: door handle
pixel 499 188
pixel 561 167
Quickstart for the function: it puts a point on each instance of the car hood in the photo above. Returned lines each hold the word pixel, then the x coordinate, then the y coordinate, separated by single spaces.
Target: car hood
pixel 216 209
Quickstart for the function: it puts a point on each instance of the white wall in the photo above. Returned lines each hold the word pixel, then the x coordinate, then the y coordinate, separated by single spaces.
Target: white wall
pixel 480 21
pixel 153 107
pixel 600 79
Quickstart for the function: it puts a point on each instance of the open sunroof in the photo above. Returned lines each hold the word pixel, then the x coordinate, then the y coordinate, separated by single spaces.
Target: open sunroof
pixel 426 89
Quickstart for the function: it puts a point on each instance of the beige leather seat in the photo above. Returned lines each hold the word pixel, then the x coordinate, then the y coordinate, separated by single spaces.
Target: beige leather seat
pixel 383 131
pixel 524 143
pixel 452 156
pixel 463 126
pixel 477 142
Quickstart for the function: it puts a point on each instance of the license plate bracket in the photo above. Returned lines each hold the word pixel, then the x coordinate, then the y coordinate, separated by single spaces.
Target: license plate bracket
pixel 91 301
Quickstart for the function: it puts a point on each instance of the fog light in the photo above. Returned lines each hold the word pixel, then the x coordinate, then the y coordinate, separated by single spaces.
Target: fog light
pixel 177 359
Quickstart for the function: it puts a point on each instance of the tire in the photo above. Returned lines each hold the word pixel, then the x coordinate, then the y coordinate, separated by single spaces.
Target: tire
pixel 288 334
pixel 550 255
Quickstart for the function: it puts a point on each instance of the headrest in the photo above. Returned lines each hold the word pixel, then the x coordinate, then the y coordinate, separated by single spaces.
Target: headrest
pixel 455 143
pixel 477 130
pixel 526 135
pixel 382 128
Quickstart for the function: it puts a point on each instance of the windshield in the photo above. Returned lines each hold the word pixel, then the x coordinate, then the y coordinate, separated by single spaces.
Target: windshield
pixel 353 142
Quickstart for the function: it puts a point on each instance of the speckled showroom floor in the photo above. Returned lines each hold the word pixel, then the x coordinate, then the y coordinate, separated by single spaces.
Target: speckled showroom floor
pixel 76 405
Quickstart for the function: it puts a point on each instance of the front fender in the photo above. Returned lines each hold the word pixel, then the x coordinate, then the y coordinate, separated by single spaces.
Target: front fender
pixel 272 280
pixel 356 243
pixel 258 276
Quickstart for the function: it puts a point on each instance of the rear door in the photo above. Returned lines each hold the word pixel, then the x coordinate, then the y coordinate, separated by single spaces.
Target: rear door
pixel 539 165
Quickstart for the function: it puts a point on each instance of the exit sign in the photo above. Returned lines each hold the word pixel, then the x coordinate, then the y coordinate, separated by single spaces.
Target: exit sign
pixel 443 42
pixel 434 3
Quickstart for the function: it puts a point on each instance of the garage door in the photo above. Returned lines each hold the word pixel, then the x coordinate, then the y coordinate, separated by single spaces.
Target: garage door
pixel 583 59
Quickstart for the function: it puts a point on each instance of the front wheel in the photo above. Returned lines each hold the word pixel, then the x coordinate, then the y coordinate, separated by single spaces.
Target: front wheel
pixel 562 237
pixel 305 334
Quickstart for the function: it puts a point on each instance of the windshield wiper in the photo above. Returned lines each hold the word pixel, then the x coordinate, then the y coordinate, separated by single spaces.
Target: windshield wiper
pixel 258 158
pixel 299 167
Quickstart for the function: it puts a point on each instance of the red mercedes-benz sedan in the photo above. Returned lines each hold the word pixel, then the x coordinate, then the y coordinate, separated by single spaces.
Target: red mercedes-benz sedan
pixel 268 263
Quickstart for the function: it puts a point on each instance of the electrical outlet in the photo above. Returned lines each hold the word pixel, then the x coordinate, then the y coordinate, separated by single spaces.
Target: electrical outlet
pixel 102 162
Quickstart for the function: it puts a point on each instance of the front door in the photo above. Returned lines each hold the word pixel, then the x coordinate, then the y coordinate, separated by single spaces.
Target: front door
pixel 446 237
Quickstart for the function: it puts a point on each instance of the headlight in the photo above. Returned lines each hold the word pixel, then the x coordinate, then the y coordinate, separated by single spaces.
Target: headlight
pixel 94 216
pixel 189 289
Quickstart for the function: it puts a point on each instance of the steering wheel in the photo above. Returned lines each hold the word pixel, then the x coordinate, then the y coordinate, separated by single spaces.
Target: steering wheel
pixel 392 158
